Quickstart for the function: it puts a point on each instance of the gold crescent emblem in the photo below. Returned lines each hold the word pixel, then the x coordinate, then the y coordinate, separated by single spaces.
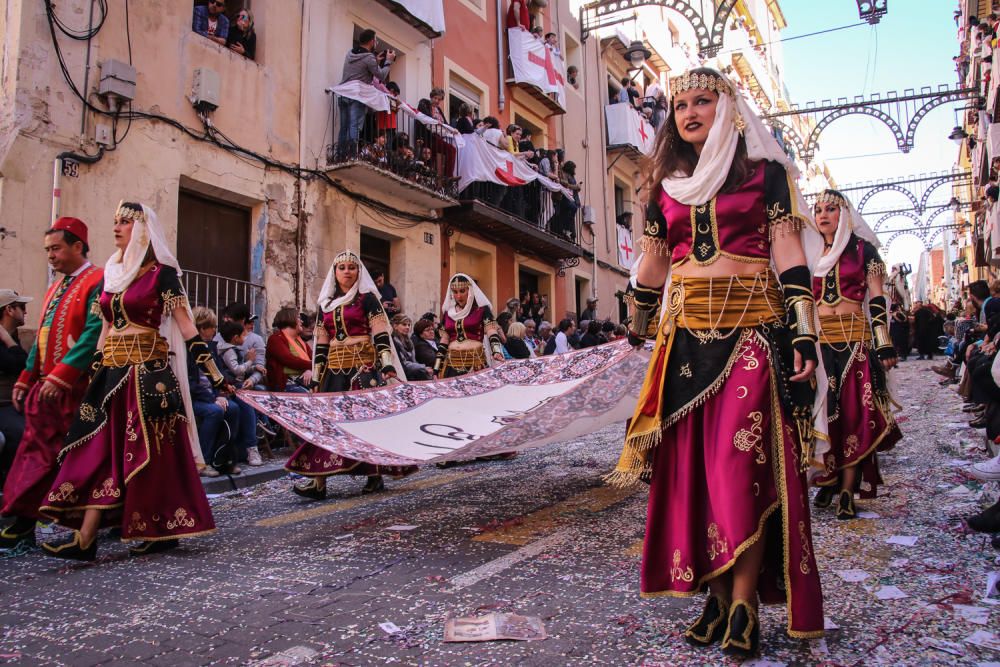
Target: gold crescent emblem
pixel 707 229
pixel 743 389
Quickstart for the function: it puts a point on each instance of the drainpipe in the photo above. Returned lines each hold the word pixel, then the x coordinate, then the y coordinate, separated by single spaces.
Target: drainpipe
pixel 57 167
pixel 301 288
pixel 501 61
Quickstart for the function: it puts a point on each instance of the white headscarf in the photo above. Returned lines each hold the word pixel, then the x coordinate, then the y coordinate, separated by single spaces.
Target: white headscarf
pixel 121 271
pixel 476 298
pixel 851 222
pixel 328 300
pixel 734 117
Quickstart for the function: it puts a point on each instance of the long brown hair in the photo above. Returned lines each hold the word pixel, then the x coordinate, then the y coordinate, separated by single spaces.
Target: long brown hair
pixel 672 154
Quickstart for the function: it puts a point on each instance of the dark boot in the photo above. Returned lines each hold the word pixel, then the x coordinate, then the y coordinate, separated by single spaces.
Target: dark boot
pixel 711 625
pixel 824 497
pixel 22 531
pixel 742 638
pixel 987 521
pixel 153 547
pixel 311 490
pixel 72 550
pixel 374 485
pixel 845 505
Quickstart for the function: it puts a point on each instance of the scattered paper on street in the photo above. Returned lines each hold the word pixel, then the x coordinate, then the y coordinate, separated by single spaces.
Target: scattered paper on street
pixel 902 540
pixel 890 593
pixel 853 575
pixel 492 627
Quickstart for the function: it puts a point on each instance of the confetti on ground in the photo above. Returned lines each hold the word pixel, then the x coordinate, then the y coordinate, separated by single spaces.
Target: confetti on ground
pixel 902 540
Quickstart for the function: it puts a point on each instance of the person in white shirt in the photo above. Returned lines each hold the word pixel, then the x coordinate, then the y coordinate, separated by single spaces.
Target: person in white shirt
pixel 566 329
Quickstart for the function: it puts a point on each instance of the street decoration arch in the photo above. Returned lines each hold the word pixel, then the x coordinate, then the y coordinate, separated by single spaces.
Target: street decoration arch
pixel 905 232
pixel 896 112
pixel 890 187
pixel 900 214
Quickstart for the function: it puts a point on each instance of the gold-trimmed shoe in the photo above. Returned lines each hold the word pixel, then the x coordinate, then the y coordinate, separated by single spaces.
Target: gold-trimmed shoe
pixel 824 497
pixel 72 550
pixel 742 638
pixel 711 625
pixel 17 533
pixel 845 505
pixel 311 490
pixel 153 547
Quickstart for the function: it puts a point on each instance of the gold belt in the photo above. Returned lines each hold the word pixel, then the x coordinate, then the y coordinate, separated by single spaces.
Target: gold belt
pixel 467 360
pixel 353 355
pixel 136 348
pixel 726 303
pixel 839 328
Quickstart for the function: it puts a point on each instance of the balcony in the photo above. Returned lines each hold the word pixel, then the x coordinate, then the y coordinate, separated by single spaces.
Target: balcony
pixel 427 16
pixel 524 217
pixel 217 292
pixel 628 131
pixel 395 158
pixel 537 70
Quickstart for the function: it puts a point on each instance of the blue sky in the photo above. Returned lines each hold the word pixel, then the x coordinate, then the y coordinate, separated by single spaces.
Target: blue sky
pixel 911 47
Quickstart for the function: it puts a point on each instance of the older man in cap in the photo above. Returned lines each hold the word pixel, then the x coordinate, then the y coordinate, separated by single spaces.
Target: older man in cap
pixel 51 386
pixel 590 312
pixel 13 308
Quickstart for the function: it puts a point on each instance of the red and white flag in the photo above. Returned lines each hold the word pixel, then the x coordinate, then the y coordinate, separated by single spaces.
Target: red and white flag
pixel 626 126
pixel 480 161
pixel 626 250
pixel 537 64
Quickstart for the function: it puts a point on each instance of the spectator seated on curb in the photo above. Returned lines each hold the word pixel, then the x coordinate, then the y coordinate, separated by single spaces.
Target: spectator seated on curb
pixel 210 21
pixel 214 426
pixel 406 350
pixel 425 346
pixel 244 374
pixel 516 345
pixel 288 358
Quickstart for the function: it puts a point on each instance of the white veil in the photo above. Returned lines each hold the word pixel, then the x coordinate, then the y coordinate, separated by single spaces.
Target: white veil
pixel 328 300
pixel 476 298
pixel 119 272
pixel 734 117
pixel 855 225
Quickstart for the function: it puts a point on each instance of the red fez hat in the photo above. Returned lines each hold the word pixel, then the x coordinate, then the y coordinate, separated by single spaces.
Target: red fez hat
pixel 74 226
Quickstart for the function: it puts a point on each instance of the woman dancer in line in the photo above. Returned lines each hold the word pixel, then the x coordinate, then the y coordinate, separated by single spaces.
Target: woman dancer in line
pixel 353 351
pixel 468 330
pixel 130 454
pixel 724 429
pixel 856 353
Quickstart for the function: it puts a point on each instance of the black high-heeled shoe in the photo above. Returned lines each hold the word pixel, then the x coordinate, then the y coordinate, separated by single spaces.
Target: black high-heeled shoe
pixel 312 490
pixel 711 625
pixel 824 497
pixel 153 547
pixel 72 550
pixel 845 505
pixel 17 533
pixel 374 484
pixel 742 638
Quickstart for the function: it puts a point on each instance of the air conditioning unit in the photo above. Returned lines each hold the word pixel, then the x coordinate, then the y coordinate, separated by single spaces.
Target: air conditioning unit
pixel 588 215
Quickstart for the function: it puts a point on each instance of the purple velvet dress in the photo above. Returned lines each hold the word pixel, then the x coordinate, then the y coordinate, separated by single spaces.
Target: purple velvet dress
pixel 128 451
pixel 726 469
pixel 347 321
pixel 861 421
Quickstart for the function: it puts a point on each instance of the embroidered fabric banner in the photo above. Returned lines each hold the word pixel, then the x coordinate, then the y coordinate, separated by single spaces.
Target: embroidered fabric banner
pixel 626 126
pixel 516 405
pixel 535 63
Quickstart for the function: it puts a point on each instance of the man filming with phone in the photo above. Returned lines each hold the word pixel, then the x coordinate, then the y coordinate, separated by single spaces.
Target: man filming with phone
pixel 361 64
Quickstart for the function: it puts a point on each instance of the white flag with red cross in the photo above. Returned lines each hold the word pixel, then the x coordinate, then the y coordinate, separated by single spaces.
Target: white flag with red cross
pixel 537 64
pixel 479 161
pixel 626 251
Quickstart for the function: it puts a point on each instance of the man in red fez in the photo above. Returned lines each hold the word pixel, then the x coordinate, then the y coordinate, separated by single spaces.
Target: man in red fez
pixel 55 378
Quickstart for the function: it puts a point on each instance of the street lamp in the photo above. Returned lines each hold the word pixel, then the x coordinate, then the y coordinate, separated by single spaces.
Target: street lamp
pixel 958 135
pixel 637 54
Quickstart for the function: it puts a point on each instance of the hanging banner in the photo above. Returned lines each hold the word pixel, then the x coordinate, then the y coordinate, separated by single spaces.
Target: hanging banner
pixel 430 12
pixel 626 126
pixel 537 64
pixel 626 251
pixel 478 160
pixel 516 405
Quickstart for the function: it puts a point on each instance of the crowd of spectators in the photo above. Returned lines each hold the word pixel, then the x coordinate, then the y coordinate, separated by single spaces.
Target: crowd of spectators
pixel 210 21
pixel 971 336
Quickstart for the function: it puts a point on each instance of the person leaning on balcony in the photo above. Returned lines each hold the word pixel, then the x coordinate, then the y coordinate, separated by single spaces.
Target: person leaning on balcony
pixel 210 21
pixel 360 64
pixel 552 42
pixel 517 15
pixel 242 37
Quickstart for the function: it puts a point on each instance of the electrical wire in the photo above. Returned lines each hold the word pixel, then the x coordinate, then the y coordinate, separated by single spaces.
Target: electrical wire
pixel 803 36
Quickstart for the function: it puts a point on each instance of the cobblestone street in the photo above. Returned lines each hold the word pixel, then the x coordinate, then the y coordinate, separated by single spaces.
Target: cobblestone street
pixel 285 581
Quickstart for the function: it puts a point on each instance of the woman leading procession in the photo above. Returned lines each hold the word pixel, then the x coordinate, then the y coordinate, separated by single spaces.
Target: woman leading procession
pixel 731 409
pixel 129 458
pixel 353 350
pixel 857 353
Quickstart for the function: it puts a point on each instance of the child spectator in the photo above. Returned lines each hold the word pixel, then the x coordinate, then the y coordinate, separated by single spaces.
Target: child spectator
pixel 247 374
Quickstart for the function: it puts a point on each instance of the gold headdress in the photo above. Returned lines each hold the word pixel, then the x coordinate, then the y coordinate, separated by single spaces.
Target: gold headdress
pixel 695 81
pixel 831 197
pixel 459 281
pixel 346 256
pixel 129 211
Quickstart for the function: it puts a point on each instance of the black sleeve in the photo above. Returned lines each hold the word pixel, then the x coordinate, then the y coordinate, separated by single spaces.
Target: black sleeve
pixel 874 266
pixel 372 305
pixel 250 46
pixel 488 315
pixel 518 348
pixel 171 290
pixel 778 200
pixel 12 359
